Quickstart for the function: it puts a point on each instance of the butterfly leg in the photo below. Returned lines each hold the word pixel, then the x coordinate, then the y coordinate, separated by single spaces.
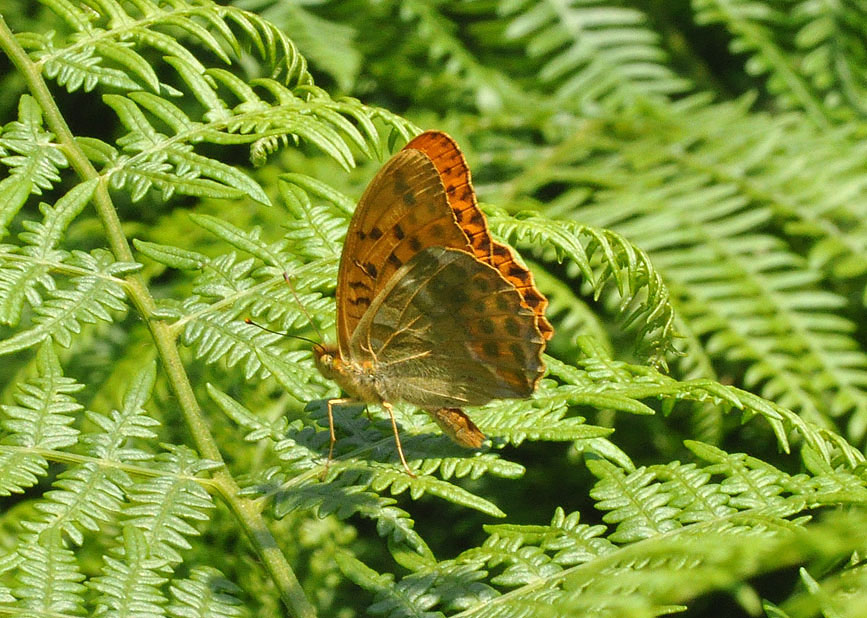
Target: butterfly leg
pixel 390 411
pixel 329 406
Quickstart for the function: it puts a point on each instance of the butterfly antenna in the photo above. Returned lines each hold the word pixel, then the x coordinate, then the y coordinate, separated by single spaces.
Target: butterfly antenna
pixel 301 306
pixel 277 332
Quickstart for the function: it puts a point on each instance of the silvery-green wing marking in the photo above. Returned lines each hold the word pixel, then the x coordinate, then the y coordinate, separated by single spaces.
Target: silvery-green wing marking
pixel 447 331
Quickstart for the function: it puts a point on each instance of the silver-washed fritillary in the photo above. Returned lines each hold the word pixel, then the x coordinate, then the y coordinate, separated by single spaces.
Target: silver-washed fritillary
pixel 430 309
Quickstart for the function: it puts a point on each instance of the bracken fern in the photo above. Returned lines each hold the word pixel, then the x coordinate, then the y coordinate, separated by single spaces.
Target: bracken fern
pixel 168 164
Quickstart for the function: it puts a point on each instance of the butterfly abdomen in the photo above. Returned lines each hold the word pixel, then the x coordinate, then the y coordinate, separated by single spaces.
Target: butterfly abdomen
pixel 458 426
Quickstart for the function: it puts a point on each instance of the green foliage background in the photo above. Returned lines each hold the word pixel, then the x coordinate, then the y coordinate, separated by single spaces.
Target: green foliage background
pixel 688 182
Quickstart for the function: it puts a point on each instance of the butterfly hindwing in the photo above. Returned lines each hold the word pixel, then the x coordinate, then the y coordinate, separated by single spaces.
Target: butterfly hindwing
pixel 448 330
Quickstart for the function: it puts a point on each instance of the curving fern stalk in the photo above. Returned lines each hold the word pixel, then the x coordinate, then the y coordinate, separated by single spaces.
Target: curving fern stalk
pixel 160 456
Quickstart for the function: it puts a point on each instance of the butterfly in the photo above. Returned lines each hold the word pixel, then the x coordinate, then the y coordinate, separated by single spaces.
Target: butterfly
pixel 431 310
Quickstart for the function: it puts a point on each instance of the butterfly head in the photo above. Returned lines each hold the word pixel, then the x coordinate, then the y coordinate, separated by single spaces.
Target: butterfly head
pixel 327 360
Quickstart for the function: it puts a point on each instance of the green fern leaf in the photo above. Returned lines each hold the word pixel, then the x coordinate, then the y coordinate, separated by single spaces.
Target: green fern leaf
pixel 88 495
pixel 206 593
pixel 41 420
pixel 130 584
pixel 636 504
pixel 49 578
pixel 627 266
pixel 36 164
pixel 590 52
pixel 165 507
pixel 92 298
pixel 19 280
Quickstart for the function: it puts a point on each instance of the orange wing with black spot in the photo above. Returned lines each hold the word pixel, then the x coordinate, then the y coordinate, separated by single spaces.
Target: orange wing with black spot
pixel 403 211
pixel 455 177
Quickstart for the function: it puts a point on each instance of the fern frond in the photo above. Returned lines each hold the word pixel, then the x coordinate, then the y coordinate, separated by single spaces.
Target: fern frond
pixel 35 166
pixel 449 584
pixel 644 296
pixel 290 440
pixel 216 329
pixel 702 198
pixel 41 420
pixel 590 53
pixel 108 40
pixel 87 495
pixel 92 298
pixel 329 45
pixel 226 337
pixel 571 541
pixel 20 280
pixel 130 582
pixel 833 60
pixel 165 507
pixel 573 316
pixel 349 492
pixel 168 163
pixel 633 502
pixel 315 229
pixel 655 215
pixel 436 39
pixel 360 441
pixel 345 499
pixel 49 578
pixel 8 562
pixel 717 532
pixel 841 594
pixel 623 386
pixel 811 52
pixel 206 593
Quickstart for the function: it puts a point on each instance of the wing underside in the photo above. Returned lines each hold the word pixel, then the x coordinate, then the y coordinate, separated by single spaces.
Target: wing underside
pixel 447 331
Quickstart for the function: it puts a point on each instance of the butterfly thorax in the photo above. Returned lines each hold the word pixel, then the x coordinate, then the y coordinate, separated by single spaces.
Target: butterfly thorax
pixel 357 380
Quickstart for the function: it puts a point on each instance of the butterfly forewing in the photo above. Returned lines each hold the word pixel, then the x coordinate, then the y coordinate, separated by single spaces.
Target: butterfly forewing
pixel 448 330
pixel 455 174
pixel 403 211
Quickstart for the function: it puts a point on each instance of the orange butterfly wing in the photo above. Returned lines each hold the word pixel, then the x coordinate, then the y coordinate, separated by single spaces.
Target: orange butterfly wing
pixel 403 211
pixel 455 176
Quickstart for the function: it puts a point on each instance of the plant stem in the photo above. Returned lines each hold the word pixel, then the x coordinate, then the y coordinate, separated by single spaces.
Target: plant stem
pixel 246 510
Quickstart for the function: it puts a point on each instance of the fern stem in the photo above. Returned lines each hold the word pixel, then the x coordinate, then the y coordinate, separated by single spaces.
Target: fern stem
pixel 247 511
pixel 65 457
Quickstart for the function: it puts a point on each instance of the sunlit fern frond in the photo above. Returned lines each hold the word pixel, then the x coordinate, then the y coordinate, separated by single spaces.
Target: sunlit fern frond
pixel 811 53
pixel 590 53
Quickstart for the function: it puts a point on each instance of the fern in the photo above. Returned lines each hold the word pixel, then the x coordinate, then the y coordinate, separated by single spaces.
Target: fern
pixel 130 584
pixel 49 579
pixel 36 165
pixel 167 166
pixel 41 420
pixel 546 566
pixel 810 52
pixel 591 52
pixel 206 594
pixel 746 292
